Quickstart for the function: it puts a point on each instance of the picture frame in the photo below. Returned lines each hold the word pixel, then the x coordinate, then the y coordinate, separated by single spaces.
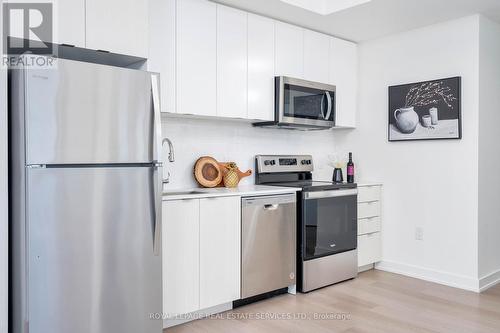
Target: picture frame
pixel 426 110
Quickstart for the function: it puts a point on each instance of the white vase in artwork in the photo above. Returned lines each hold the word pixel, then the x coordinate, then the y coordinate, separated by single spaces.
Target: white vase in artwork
pixel 406 119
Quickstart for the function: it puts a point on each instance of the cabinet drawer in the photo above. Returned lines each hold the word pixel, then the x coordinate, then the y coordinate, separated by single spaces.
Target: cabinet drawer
pixel 369 225
pixel 368 209
pixel 369 249
pixel 369 193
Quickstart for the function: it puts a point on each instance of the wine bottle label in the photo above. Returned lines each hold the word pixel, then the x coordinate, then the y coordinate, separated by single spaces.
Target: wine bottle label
pixel 350 170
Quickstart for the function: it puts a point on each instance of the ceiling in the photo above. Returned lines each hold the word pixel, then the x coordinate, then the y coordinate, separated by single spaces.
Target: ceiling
pixel 374 19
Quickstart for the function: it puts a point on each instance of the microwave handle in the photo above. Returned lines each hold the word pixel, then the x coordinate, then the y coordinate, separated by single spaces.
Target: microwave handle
pixel 322 109
pixel 330 105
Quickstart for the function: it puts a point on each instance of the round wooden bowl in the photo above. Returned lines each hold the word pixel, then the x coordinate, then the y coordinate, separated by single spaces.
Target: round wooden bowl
pixel 207 172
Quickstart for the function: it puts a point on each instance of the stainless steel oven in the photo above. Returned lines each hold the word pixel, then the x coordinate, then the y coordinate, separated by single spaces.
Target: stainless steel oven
pixel 301 104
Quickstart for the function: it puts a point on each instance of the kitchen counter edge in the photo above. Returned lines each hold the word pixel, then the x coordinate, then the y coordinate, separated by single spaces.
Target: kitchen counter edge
pixel 242 191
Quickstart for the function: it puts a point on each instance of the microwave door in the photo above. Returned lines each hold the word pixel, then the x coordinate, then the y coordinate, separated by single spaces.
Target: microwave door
pixel 306 103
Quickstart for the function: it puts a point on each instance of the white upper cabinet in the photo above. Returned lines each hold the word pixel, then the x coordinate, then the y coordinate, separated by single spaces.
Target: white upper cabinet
pixel 232 64
pixel 316 56
pixel 260 67
pixel 69 22
pixel 118 26
pixel 162 49
pixel 289 47
pixel 219 61
pixel 220 242
pixel 344 74
pixel 196 57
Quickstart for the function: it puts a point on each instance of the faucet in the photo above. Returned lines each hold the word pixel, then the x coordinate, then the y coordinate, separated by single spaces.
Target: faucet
pixel 170 157
pixel 170 149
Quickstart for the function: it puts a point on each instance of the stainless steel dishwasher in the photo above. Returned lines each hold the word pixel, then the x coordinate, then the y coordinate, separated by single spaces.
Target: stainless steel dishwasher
pixel 268 243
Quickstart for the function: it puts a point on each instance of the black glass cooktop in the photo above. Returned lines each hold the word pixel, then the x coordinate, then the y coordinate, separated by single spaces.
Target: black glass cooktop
pixel 315 185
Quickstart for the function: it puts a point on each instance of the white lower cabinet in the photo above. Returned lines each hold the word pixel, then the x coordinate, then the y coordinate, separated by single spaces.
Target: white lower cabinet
pixel 369 224
pixel 219 250
pixel 201 253
pixel 369 250
pixel 181 256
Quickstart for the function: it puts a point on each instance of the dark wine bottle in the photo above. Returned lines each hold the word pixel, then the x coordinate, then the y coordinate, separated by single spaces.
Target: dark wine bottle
pixel 350 170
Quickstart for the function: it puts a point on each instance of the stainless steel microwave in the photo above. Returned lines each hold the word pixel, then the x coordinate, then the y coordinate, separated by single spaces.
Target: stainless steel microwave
pixel 303 105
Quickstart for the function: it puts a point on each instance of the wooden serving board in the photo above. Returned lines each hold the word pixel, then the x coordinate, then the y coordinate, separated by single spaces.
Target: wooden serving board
pixel 241 175
pixel 209 173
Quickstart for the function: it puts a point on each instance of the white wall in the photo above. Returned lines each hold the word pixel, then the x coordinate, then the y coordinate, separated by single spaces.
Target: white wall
pixel 237 141
pixel 3 192
pixel 428 184
pixel 489 157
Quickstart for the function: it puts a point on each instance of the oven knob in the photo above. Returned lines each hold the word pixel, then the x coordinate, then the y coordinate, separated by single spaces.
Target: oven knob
pixel 267 162
pixel 304 162
pixel 309 162
pixel 273 162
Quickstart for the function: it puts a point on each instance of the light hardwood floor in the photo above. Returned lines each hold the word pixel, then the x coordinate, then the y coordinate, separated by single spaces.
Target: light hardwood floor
pixel 376 302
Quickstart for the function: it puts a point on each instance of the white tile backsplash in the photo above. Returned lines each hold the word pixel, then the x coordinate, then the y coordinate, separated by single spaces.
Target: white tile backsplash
pixel 237 141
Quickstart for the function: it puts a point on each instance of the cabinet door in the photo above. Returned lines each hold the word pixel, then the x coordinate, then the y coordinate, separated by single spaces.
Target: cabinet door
pixel 289 50
pixel 70 22
pixel 232 64
pixel 196 57
pixel 316 56
pixel 162 49
pixel 118 26
pixel 369 249
pixel 181 278
pixel 344 74
pixel 260 68
pixel 220 239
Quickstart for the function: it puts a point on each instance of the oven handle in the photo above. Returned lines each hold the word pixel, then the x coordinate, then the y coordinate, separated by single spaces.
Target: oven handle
pixel 330 194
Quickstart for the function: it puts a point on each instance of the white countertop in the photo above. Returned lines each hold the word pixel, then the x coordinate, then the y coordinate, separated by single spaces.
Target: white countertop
pixel 242 191
pixel 362 184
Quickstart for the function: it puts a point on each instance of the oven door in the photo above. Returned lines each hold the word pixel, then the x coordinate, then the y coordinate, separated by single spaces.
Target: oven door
pixel 329 222
pixel 304 102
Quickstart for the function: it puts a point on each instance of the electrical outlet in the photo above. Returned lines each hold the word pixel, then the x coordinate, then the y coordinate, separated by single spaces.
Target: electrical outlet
pixel 419 233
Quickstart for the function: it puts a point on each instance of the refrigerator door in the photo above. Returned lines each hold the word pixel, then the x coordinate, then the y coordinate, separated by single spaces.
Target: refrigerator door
pixel 92 266
pixel 87 113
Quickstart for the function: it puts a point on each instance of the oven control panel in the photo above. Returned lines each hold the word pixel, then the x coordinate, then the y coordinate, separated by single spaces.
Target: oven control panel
pixel 283 163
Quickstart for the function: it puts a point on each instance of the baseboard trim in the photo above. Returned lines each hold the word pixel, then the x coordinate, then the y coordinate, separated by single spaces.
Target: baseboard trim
pixel 440 277
pixel 488 281
pixel 365 268
pixel 170 322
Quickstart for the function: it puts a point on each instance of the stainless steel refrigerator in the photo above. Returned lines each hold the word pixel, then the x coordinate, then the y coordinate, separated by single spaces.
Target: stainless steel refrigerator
pixel 85 190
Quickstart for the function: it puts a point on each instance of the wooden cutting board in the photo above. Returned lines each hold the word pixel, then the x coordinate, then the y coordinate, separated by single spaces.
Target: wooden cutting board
pixel 207 172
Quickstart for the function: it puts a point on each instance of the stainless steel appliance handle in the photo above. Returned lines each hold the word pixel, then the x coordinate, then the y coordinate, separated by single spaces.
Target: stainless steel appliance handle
pixel 330 194
pixel 322 108
pixel 158 190
pixel 329 99
pixel 158 178
pixel 271 207
pixel 155 91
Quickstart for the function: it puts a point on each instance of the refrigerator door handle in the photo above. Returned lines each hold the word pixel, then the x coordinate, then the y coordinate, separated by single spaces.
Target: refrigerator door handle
pixel 158 177
pixel 155 92
pixel 158 194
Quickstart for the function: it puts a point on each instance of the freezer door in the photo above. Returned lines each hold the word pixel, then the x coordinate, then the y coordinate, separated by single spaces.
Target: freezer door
pixel 92 266
pixel 88 113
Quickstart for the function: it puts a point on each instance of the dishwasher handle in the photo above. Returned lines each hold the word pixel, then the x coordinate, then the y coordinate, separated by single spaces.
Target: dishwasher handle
pixel 269 202
pixel 271 206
